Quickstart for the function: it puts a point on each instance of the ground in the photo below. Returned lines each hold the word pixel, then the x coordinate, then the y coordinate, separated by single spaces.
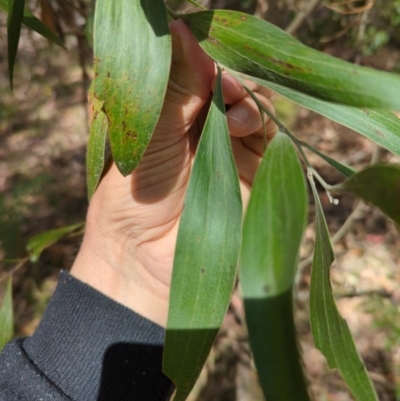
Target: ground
pixel 43 132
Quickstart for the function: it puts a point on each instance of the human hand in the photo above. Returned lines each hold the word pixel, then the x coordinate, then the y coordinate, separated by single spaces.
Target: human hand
pixel 132 223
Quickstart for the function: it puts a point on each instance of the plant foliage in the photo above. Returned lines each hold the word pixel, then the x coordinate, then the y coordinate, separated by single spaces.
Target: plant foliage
pixel 132 47
pixel 206 253
pixel 6 316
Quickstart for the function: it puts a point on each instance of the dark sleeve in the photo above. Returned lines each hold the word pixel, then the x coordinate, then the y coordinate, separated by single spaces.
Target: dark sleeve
pixel 86 348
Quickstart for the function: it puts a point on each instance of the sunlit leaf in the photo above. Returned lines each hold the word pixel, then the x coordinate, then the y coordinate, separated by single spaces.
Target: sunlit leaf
pixel 382 127
pixel 35 24
pixel 6 316
pixel 378 185
pixel 272 233
pixel 257 48
pixel 331 333
pixel 347 171
pixel 39 242
pixel 96 144
pixel 14 23
pixel 132 48
pixel 206 253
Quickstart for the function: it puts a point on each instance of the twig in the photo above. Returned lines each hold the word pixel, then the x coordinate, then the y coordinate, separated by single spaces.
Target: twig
pixel 12 271
pixel 172 14
pixel 301 17
pixel 355 10
pixel 380 293
pixel 361 34
pixel 350 219
pixel 198 5
pixel 281 127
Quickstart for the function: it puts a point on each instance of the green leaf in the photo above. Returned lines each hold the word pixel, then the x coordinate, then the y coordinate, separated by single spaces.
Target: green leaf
pixel 39 242
pixel 35 24
pixel 97 143
pixel 14 23
pixel 132 48
pixel 272 233
pixel 257 48
pixel 206 253
pixel 382 127
pixel 347 171
pixel 378 185
pixel 331 333
pixel 6 316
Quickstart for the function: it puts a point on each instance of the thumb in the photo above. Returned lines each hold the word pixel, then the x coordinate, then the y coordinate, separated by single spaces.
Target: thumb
pixel 189 86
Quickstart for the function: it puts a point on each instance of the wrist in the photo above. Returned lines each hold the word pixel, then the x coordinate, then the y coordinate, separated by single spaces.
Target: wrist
pixel 125 280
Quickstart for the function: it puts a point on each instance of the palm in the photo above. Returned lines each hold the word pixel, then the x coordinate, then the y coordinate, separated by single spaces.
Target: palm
pixel 139 214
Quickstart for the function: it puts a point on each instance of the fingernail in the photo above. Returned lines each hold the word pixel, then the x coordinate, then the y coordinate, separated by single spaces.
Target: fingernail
pixel 239 114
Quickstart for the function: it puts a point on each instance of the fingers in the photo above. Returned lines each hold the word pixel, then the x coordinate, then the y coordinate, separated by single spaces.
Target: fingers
pixel 244 117
pixel 234 91
pixel 192 72
pixel 247 127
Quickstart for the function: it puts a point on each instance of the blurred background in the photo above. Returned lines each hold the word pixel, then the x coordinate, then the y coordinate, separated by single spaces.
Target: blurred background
pixel 43 135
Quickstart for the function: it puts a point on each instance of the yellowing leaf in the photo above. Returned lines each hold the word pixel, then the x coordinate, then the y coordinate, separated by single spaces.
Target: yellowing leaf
pixel 132 49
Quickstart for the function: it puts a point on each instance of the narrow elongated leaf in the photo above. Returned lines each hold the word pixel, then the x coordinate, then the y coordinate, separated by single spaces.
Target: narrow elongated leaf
pixel 39 242
pixel 132 48
pixel 382 127
pixel 272 233
pixel 96 144
pixel 206 253
pixel 378 185
pixel 347 171
pixel 257 48
pixel 6 316
pixel 14 23
pixel 35 24
pixel 331 333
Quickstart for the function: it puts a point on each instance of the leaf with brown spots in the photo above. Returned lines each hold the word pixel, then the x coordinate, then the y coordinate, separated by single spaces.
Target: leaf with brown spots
pixel 95 156
pixel 132 47
pixel 259 49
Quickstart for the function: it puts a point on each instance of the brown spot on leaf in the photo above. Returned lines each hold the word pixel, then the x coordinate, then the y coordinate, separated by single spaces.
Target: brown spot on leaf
pixel 379 133
pixel 202 270
pixel 265 289
pixel 108 74
pixel 287 65
pixel 218 175
pixel 243 18
pixel 131 135
pixel 213 40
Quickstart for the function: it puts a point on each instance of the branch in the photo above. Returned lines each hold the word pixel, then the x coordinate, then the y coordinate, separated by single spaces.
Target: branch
pixel 13 270
pixel 301 17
